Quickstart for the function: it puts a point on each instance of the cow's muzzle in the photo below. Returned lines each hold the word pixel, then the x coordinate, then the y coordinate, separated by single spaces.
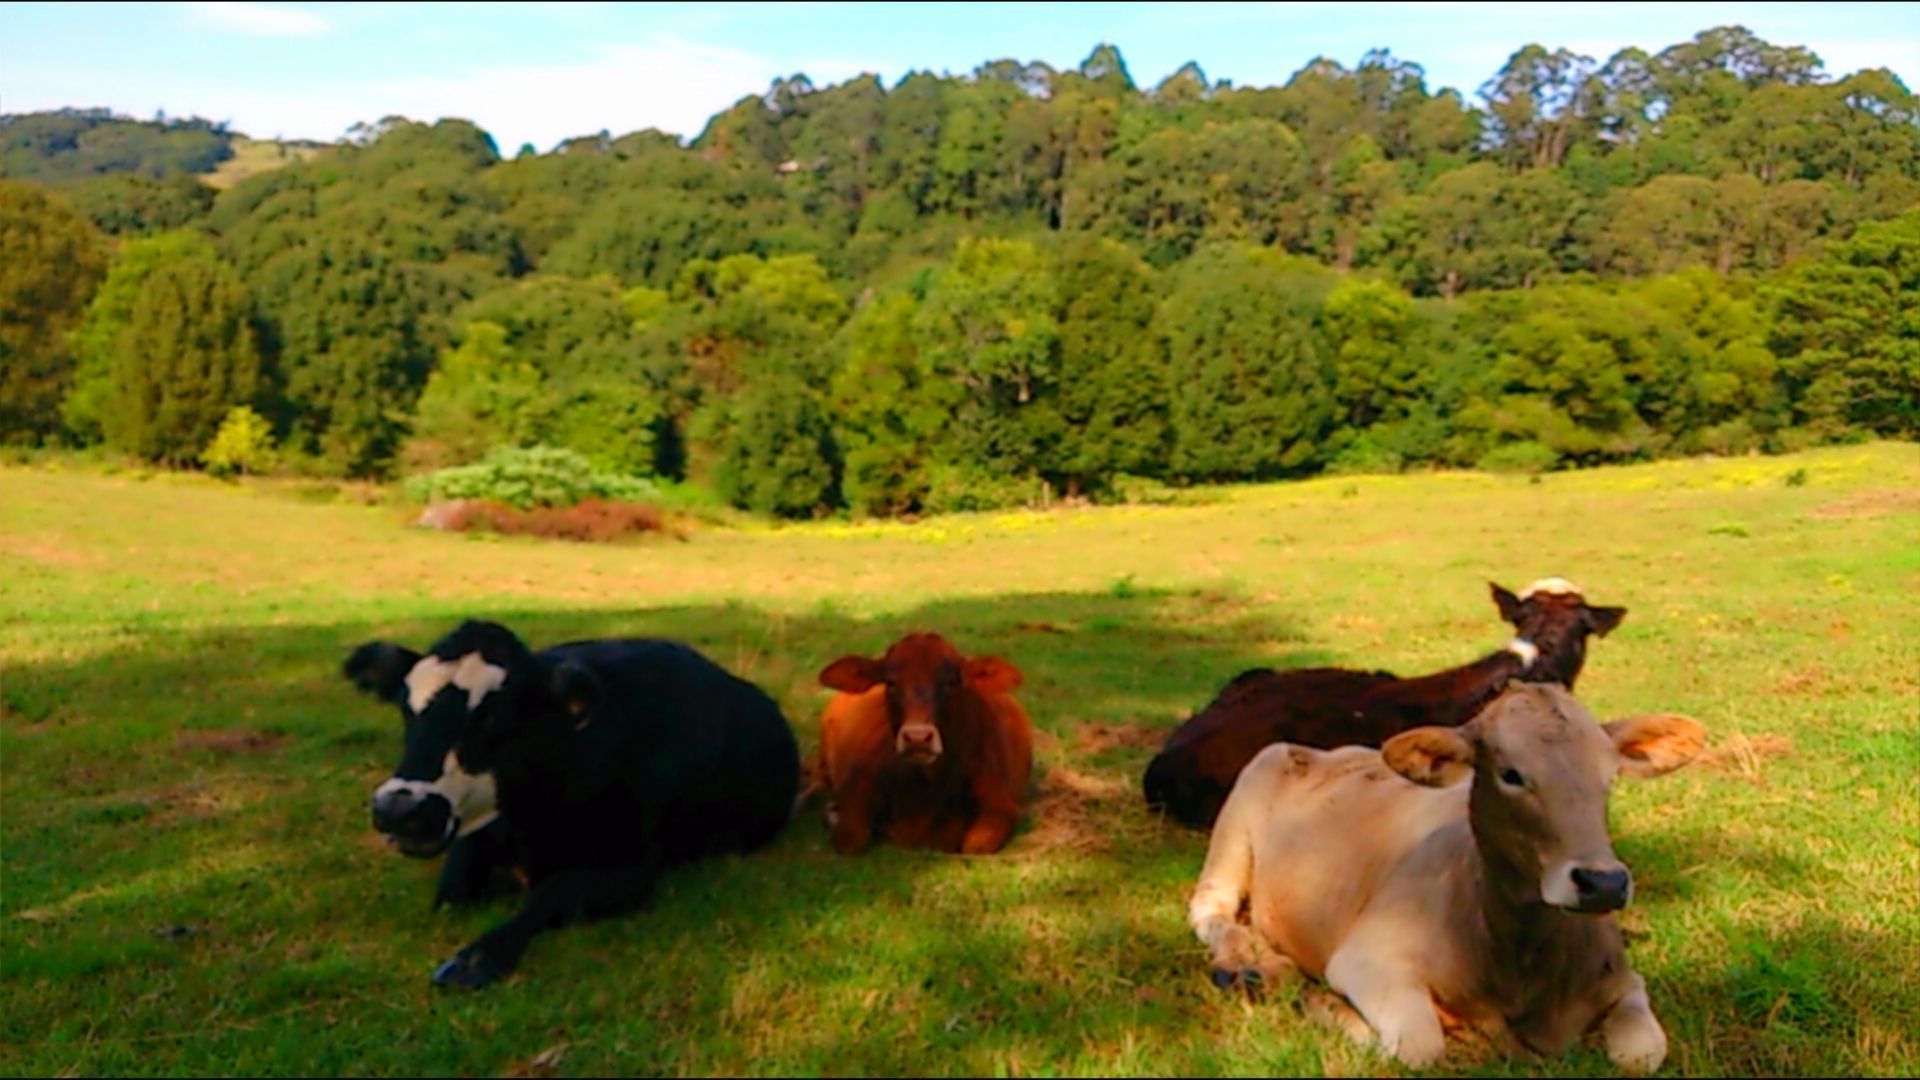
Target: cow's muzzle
pixel 1598 890
pixel 918 743
pixel 419 825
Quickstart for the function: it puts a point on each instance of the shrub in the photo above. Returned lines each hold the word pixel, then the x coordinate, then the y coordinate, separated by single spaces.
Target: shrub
pixel 1362 456
pixel 1519 457
pixel 1128 489
pixel 244 444
pixel 959 488
pixel 539 476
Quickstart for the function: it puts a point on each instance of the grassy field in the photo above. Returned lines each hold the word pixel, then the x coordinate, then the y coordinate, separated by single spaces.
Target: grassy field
pixel 191 884
pixel 252 157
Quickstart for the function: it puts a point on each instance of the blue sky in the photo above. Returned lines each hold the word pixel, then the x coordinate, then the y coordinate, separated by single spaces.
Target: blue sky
pixel 542 72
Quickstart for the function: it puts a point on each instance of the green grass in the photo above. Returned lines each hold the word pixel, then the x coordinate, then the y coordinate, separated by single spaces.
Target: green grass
pixel 191 884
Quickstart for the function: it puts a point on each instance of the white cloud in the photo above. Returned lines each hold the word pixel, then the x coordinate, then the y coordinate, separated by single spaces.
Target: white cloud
pixel 667 82
pixel 259 20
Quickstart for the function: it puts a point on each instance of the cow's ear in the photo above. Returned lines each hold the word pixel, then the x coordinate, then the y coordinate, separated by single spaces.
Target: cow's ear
pixel 993 675
pixel 1655 743
pixel 380 668
pixel 853 674
pixel 1432 756
pixel 1603 619
pixel 576 690
pixel 1508 603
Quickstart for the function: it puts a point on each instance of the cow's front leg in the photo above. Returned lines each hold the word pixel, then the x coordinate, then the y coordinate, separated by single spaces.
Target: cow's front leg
pixel 572 893
pixel 1396 1006
pixel 991 828
pixel 1634 1039
pixel 850 815
pixel 467 875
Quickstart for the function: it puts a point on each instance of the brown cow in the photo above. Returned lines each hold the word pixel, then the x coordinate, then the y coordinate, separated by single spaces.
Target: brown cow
pixel 925 747
pixel 1486 903
pixel 1329 707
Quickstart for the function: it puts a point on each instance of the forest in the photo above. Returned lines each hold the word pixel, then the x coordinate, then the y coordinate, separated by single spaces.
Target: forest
pixel 1010 286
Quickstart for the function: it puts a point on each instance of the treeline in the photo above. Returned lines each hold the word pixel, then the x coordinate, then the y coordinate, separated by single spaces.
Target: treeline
pixel 76 144
pixel 962 291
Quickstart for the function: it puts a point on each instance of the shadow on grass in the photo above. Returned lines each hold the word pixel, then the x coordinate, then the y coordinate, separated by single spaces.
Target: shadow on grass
pixel 193 903
pixel 191 813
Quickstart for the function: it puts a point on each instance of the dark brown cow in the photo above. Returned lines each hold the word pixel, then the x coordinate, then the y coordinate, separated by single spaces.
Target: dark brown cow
pixel 924 747
pixel 1329 707
pixel 1457 877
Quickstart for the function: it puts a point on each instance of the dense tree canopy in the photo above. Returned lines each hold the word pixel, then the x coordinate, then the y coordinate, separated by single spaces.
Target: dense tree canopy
pixel 967 290
pixel 51 259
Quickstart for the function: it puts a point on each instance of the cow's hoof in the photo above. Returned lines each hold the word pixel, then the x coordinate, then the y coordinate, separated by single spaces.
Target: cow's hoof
pixel 1246 979
pixel 465 972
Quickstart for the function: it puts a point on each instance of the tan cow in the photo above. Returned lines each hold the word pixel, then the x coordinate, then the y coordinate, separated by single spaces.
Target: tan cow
pixel 1436 903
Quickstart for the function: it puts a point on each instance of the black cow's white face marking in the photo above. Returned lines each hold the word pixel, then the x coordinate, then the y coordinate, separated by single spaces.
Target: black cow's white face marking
pixel 471 673
pixel 430 800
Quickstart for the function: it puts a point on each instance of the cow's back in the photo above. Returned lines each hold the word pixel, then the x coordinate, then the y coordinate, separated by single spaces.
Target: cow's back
pixel 1013 739
pixel 706 753
pixel 1313 707
pixel 1327 830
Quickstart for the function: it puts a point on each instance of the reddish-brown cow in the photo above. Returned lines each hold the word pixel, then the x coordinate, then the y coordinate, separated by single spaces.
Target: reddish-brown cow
pixel 1326 708
pixel 925 747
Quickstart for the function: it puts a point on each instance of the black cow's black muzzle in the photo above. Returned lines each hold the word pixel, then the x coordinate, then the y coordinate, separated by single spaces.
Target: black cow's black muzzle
pixel 420 826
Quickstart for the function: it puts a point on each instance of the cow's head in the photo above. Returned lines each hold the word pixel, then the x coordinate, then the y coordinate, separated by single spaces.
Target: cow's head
pixel 922 674
pixel 1541 768
pixel 431 797
pixel 1552 622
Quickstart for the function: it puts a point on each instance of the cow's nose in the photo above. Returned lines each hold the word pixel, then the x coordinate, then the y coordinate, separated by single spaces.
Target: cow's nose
pixel 1602 890
pixel 919 742
pixel 393 810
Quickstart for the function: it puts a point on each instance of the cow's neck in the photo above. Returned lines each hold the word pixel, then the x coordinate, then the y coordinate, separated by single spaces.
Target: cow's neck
pixel 1539 953
pixel 1557 660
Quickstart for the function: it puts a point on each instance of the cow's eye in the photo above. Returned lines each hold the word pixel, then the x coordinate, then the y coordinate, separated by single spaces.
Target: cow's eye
pixel 1512 778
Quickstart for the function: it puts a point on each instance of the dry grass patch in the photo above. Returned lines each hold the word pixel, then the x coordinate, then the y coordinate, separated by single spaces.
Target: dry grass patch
pixel 1744 754
pixel 1074 811
pixel 1870 504
pixel 238 741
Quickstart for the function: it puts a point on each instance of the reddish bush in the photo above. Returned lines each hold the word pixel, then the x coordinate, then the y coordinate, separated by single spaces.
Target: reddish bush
pixel 595 520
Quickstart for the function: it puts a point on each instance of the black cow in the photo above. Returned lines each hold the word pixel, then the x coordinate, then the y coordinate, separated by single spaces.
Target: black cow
pixel 588 767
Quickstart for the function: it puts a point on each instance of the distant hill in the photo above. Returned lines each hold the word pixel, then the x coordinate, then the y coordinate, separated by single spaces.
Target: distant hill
pixel 72 145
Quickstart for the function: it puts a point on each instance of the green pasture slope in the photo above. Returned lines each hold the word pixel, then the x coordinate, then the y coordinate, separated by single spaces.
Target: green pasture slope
pixel 191 884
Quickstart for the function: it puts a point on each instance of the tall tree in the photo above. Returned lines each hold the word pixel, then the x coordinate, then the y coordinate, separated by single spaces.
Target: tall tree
pixel 103 333
pixel 1846 332
pixel 1112 380
pixel 1252 390
pixel 1538 105
pixel 186 355
pixel 51 258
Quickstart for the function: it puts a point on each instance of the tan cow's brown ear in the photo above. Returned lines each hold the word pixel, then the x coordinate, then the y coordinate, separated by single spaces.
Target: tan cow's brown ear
pixel 1433 756
pixel 992 675
pixel 1655 743
pixel 853 674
